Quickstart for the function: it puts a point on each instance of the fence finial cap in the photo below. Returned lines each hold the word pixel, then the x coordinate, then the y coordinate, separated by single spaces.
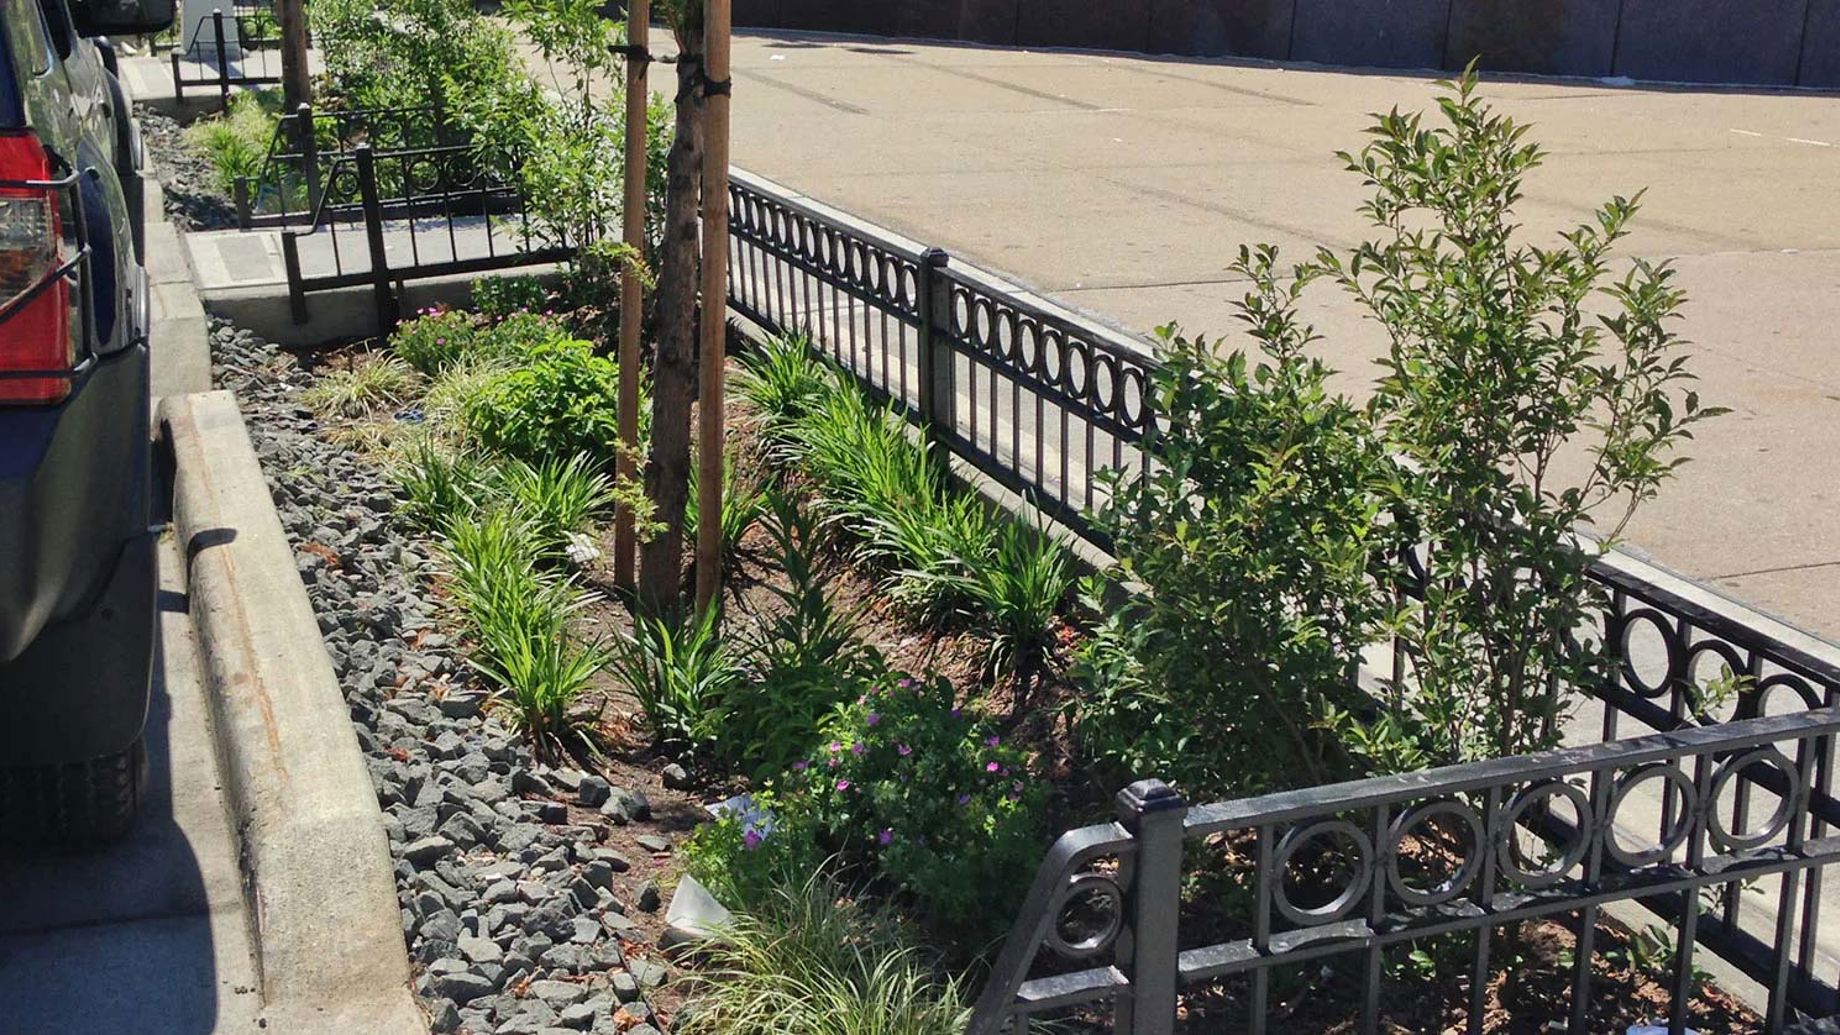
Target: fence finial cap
pixel 1151 796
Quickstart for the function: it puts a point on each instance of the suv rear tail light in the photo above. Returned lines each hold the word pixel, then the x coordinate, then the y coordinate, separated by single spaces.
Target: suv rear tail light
pixel 34 291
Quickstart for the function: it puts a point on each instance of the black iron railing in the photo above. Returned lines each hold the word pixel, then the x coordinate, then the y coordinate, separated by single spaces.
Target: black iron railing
pixel 242 49
pixel 1039 398
pixel 1045 401
pixel 386 217
pixel 286 189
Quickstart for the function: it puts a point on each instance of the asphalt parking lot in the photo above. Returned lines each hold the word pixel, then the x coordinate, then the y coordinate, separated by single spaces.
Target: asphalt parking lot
pixel 1124 185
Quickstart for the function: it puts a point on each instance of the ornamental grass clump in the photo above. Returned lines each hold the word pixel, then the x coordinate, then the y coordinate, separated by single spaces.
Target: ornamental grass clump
pixel 375 382
pixel 813 959
pixel 683 673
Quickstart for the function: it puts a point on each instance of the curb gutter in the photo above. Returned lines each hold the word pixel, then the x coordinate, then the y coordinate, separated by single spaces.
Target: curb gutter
pixel 316 863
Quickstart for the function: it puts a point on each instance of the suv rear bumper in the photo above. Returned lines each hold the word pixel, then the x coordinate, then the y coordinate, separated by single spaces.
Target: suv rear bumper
pixel 81 690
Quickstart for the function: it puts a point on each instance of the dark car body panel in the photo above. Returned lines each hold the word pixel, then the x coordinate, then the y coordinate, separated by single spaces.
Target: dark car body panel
pixel 77 557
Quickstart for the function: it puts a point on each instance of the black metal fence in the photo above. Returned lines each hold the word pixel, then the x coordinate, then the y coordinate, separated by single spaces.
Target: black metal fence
pixel 286 189
pixel 1045 401
pixel 384 217
pixel 1039 398
pixel 242 48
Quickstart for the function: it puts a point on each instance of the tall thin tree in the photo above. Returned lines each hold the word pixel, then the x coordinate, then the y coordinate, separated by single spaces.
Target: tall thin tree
pixel 667 468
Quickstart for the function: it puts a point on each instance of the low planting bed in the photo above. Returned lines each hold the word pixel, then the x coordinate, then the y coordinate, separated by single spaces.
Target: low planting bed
pixel 531 893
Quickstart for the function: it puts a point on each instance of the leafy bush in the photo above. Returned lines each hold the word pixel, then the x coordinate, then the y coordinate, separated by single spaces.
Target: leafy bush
pixel 370 384
pixel 499 297
pixel 237 143
pixel 436 339
pixel 682 673
pixel 1269 538
pixel 810 959
pixel 1254 539
pixel 413 54
pixel 906 789
pixel 561 402
pixel 515 337
pixel 1506 356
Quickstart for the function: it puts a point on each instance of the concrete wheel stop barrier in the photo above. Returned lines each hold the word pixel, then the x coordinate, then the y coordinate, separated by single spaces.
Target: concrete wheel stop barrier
pixel 317 872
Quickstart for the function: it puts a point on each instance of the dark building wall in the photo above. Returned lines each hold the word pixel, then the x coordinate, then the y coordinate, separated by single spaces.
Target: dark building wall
pixel 1547 37
pixel 1765 42
pixel 1222 28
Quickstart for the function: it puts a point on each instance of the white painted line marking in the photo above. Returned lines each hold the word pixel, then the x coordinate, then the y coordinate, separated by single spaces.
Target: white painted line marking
pixel 1747 132
pixel 1805 140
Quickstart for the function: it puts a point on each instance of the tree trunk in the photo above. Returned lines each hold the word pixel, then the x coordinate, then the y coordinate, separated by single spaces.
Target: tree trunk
pixel 667 469
pixel 296 79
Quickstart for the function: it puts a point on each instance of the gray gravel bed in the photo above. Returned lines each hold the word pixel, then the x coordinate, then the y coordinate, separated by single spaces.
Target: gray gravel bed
pixel 512 915
pixel 194 201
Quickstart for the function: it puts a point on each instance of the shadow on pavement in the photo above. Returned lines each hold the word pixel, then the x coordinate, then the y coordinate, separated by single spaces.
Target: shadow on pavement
pixel 120 939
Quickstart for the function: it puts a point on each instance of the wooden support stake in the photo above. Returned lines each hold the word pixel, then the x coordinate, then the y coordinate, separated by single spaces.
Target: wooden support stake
pixel 632 291
pixel 712 352
pixel 296 77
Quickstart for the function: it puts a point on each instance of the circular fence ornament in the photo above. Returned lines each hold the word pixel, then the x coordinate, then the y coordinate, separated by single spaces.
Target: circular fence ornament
pixel 1675 784
pixel 1508 852
pixel 1743 841
pixel 1080 893
pixel 1444 812
pixel 1349 896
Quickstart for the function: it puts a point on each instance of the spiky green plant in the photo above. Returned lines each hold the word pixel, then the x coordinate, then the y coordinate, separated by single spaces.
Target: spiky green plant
pixel 518 615
pixel 743 502
pixel 813 960
pixel 781 379
pixel 557 496
pixel 683 674
pixel 441 483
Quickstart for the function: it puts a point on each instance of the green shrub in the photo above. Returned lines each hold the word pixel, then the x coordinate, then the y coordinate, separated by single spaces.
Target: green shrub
pixel 366 386
pixel 682 674
pixel 1254 539
pixel 560 403
pixel 237 142
pixel 436 340
pixel 905 790
pixel 810 959
pixel 557 496
pixel 516 336
pixel 1532 391
pixel 499 297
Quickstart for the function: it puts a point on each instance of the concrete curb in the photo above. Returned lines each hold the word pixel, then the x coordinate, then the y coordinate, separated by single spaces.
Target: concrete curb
pixel 316 863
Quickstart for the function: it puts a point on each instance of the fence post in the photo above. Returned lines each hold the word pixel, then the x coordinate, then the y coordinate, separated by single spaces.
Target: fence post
pixel 935 305
pixel 297 292
pixel 240 189
pixel 1153 812
pixel 223 56
pixel 178 80
pixel 309 157
pixel 373 235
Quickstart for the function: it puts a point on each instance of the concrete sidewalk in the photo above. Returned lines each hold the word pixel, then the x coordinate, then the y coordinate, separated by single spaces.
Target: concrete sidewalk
pixel 151 934
pixel 1124 185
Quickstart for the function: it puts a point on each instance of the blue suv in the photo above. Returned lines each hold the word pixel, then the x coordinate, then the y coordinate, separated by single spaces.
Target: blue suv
pixel 77 510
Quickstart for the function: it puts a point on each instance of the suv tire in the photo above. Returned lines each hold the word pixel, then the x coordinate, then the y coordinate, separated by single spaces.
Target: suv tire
pixel 78 804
